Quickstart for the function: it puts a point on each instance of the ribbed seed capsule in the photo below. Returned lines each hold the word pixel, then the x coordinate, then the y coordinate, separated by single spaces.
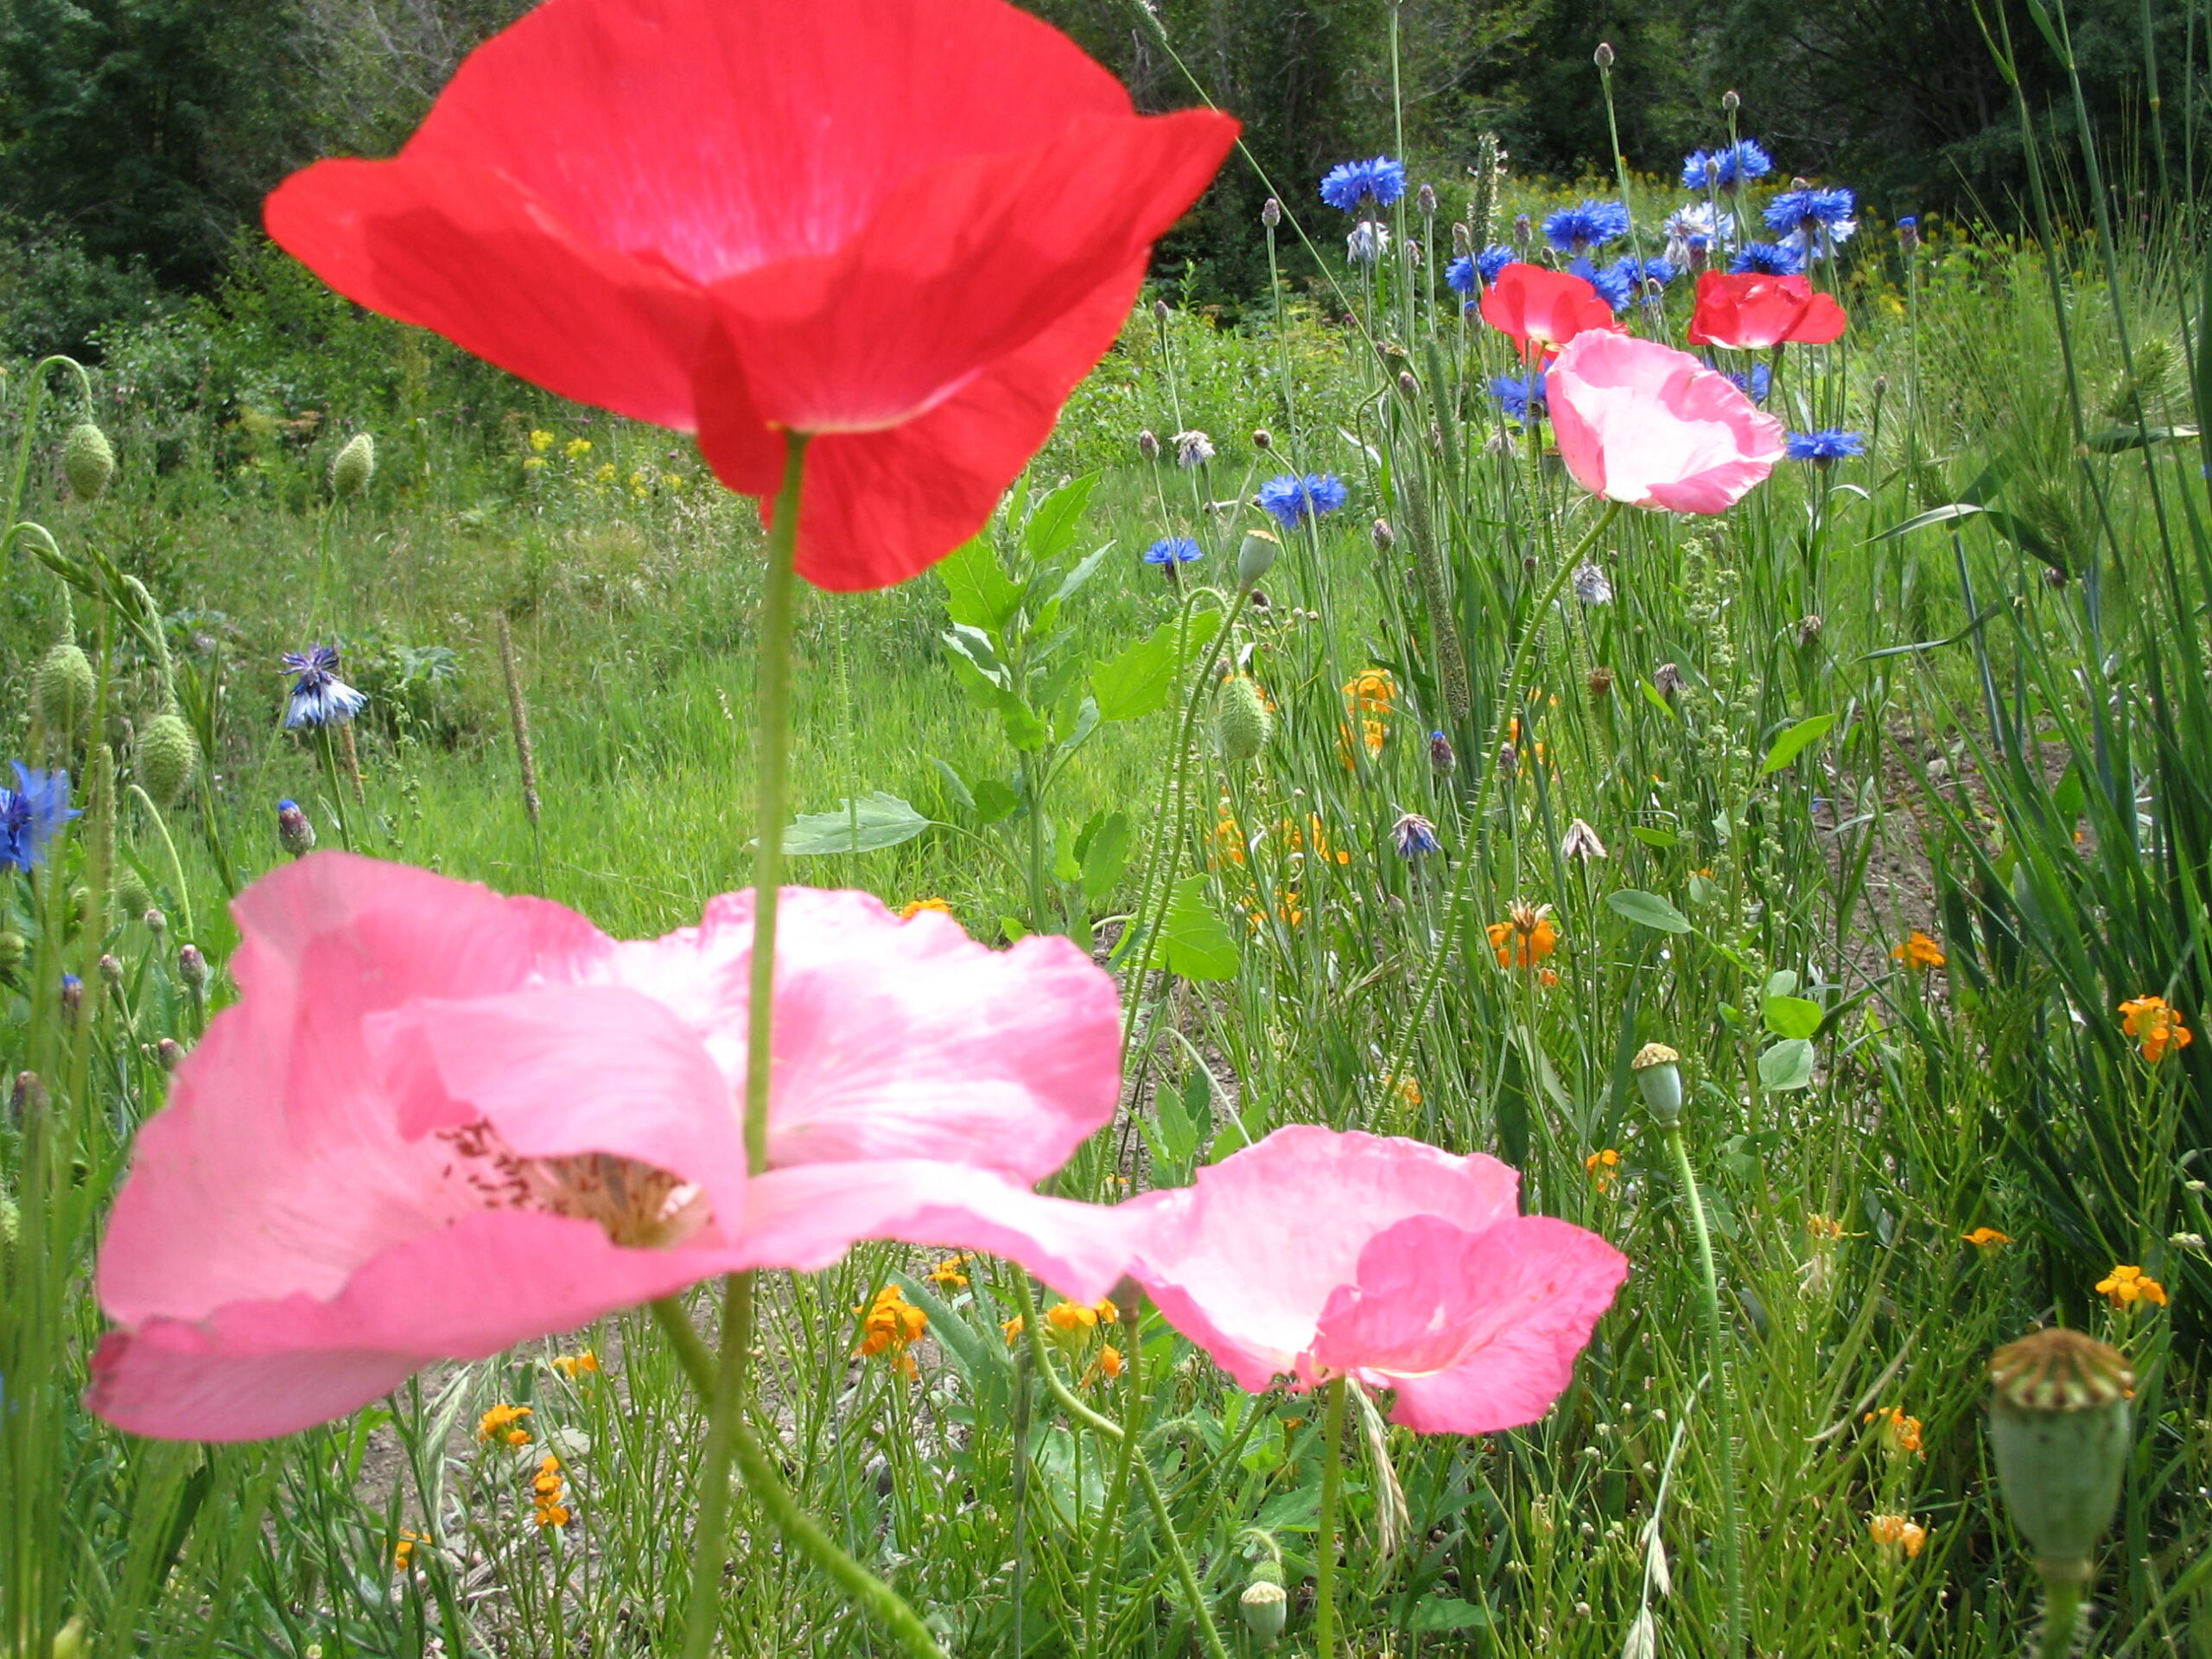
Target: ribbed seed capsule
pixel 168 754
pixel 63 690
pixel 1243 723
pixel 2058 1426
pixel 352 467
pixel 87 462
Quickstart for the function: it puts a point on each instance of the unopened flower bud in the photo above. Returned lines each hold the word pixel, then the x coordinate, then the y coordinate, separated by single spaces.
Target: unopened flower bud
pixel 1425 200
pixel 1462 239
pixel 1909 232
pixel 1243 725
pixel 110 971
pixel 13 949
pixel 72 994
pixel 1261 440
pixel 1808 630
pixel 1509 761
pixel 63 690
pixel 1440 757
pixel 168 1054
pixel 353 465
pixel 1148 444
pixel 87 462
pixel 1599 683
pixel 1603 57
pixel 1271 212
pixel 1666 680
pixel 156 922
pixel 1732 100
pixel 1407 385
pixel 1659 1076
pixel 168 754
pixel 1522 230
pixel 1580 843
pixel 132 896
pixel 1384 537
pixel 192 967
pixel 1161 312
pixel 27 1100
pixel 2058 1427
pixel 294 833
pixel 1256 557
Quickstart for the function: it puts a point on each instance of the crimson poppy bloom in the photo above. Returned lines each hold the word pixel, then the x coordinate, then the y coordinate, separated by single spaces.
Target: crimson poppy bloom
pixel 1543 308
pixel 906 227
pixel 1752 312
pixel 438 1123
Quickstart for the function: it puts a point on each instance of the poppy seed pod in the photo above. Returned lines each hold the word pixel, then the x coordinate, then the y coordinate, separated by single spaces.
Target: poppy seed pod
pixel 1256 557
pixel 168 754
pixel 1265 1606
pixel 1243 724
pixel 64 689
pixel 1659 1076
pixel 353 465
pixel 2058 1427
pixel 87 462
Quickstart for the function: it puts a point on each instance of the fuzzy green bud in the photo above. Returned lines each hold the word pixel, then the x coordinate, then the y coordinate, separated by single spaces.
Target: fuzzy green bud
pixel 63 690
pixel 1659 1075
pixel 352 467
pixel 168 756
pixel 2058 1427
pixel 70 1642
pixel 132 897
pixel 87 462
pixel 1243 724
pixel 1265 1606
pixel 13 949
pixel 1255 557
pixel 10 1222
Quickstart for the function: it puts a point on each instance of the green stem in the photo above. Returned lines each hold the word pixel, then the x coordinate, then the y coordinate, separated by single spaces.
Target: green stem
pixel 772 782
pixel 1134 1405
pixel 2062 1612
pixel 1455 904
pixel 703 1613
pixel 176 864
pixel 874 1597
pixel 1724 1413
pixel 1324 1546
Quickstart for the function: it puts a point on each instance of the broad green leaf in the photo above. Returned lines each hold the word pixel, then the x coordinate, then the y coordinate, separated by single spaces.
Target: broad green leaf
pixel 1084 572
pixel 955 784
pixel 1433 1613
pixel 1103 849
pixel 1141 679
pixel 1792 1016
pixel 972 648
pixel 1656 698
pixel 994 800
pixel 1648 910
pixel 977 593
pixel 883 821
pixel 1195 942
pixel 1076 722
pixel 1054 522
pixel 1660 838
pixel 1794 741
pixel 1787 1065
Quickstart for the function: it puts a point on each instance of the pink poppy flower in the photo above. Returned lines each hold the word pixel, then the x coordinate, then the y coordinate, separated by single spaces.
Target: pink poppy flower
pixel 1543 309
pixel 1317 1254
pixel 1752 311
pixel 439 1122
pixel 1641 422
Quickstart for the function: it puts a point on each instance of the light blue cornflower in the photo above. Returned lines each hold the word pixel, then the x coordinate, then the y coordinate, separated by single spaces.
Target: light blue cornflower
pixel 1290 499
pixel 1171 550
pixel 31 815
pixel 1635 273
pixel 1378 178
pixel 1769 259
pixel 319 696
pixel 1590 224
pixel 1826 447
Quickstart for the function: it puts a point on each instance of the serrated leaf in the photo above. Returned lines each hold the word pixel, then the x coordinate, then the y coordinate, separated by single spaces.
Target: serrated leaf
pixel 1787 1065
pixel 1792 1016
pixel 1139 680
pixel 1073 582
pixel 1195 942
pixel 977 592
pixel 1648 910
pixel 882 821
pixel 1105 854
pixel 1054 522
pixel 1794 741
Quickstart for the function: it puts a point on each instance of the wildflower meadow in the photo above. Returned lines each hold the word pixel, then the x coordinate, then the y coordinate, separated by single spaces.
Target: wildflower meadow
pixel 755 901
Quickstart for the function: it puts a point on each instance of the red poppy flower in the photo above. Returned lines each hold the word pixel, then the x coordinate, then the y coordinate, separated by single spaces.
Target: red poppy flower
pixel 1543 308
pixel 1752 312
pixel 908 227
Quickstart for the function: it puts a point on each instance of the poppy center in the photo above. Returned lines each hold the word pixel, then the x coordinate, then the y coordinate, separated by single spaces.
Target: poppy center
pixel 634 1204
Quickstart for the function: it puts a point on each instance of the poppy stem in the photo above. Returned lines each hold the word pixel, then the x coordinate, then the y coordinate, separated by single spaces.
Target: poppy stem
pixel 1324 1543
pixel 1724 1411
pixel 875 1599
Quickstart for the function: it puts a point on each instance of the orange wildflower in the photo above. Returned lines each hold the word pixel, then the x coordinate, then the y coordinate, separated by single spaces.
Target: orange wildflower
pixel 547 1507
pixel 1526 936
pixel 1987 1240
pixel 2157 1027
pixel 1896 1534
pixel 1919 951
pixel 908 913
pixel 1604 1168
pixel 505 1423
pixel 403 1547
pixel 1900 1434
pixel 892 1325
pixel 2123 1287
pixel 573 1366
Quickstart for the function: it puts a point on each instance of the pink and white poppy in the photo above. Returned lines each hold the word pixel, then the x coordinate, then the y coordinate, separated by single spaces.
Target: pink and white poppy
pixel 439 1122
pixel 1645 424
pixel 1315 1255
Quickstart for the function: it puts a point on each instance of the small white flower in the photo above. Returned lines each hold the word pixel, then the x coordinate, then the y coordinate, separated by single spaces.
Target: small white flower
pixel 1581 842
pixel 1591 585
pixel 1367 242
pixel 1192 448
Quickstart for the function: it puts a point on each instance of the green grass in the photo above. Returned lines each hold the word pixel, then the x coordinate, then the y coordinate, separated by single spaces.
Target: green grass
pixel 1935 1104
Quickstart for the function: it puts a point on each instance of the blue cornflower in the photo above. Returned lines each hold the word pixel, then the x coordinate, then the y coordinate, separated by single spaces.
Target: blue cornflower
pixel 1460 275
pixel 1522 400
pixel 1591 224
pixel 1415 837
pixel 1291 499
pixel 1348 183
pixel 31 815
pixel 1635 273
pixel 1729 166
pixel 319 696
pixel 1171 550
pixel 1795 212
pixel 1612 286
pixel 1493 259
pixel 1769 259
pixel 1754 383
pixel 1826 447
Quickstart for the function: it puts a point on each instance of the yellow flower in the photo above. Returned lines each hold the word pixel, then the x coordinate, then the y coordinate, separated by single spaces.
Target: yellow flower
pixel 573 1366
pixel 1919 951
pixel 947 1274
pixel 1104 1308
pixel 1371 692
pixel 908 913
pixel 505 1423
pixel 1604 1168
pixel 1012 1328
pixel 576 448
pixel 1407 1090
pixel 1373 732
pixel 605 472
pixel 1072 1317
pixel 1987 1240
pixel 1526 936
pixel 2157 1027
pixel 639 480
pixel 402 1549
pixel 1900 1434
pixel 533 463
pixel 2123 1287
pixel 540 440
pixel 892 1325
pixel 1824 1230
pixel 1895 1536
pixel 1107 1365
